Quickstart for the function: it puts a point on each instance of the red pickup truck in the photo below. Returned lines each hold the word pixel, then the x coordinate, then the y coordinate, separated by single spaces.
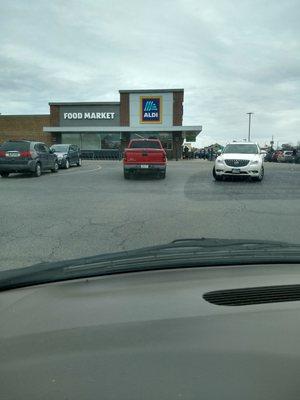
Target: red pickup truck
pixel 145 155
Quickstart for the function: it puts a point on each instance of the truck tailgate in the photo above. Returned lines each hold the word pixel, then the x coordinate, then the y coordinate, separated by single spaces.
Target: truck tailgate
pixel 145 156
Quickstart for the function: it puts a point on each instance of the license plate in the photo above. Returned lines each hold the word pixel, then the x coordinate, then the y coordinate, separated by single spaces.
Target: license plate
pixel 236 171
pixel 12 154
pixel 144 166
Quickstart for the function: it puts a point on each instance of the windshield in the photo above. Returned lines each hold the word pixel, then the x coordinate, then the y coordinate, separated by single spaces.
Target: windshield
pixel 133 188
pixel 145 114
pixel 60 149
pixel 241 149
pixel 145 144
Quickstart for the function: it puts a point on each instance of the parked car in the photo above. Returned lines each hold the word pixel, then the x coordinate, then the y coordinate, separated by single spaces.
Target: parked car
pixel 240 159
pixel 67 155
pixel 277 154
pixel 26 156
pixel 288 156
pixel 263 153
pixel 145 155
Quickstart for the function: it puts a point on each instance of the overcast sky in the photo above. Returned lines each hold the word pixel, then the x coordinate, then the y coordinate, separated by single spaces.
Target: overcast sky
pixel 231 57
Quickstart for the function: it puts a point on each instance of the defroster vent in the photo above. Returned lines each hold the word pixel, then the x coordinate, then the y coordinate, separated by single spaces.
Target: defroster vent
pixel 254 295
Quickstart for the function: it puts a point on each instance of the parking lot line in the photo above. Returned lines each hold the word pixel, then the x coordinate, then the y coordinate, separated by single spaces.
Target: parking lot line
pixel 78 172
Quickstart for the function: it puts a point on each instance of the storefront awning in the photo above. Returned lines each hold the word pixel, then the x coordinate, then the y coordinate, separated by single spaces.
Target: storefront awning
pixel 186 130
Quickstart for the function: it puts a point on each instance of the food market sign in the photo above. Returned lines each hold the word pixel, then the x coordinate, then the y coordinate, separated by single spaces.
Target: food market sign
pixel 150 110
pixel 89 115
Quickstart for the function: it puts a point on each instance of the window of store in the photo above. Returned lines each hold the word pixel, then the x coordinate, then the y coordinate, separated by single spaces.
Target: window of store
pixel 93 141
pixel 166 140
pixel 110 141
pixel 71 138
pixel 90 141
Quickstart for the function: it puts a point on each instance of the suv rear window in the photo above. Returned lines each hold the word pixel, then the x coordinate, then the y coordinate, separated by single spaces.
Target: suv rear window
pixel 18 146
pixel 145 144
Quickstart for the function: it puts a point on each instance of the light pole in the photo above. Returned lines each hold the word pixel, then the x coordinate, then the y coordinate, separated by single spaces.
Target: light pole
pixel 250 114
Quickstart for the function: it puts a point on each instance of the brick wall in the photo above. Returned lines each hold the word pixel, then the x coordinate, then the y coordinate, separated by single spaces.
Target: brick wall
pixel 54 115
pixel 177 108
pixel 124 109
pixel 28 127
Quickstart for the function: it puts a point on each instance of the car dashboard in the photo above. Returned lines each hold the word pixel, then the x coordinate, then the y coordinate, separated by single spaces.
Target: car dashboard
pixel 152 335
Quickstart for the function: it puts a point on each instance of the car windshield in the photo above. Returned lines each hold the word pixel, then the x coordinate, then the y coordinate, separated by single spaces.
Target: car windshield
pixel 143 144
pixel 164 136
pixel 241 149
pixel 133 187
pixel 60 149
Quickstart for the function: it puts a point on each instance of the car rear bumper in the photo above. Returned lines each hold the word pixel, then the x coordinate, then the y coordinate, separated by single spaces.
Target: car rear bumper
pixel 28 166
pixel 145 167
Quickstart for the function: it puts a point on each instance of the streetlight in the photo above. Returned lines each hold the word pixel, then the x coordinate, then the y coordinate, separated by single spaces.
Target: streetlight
pixel 249 113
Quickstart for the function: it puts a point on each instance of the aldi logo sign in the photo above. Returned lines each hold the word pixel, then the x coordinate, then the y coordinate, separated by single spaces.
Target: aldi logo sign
pixel 151 110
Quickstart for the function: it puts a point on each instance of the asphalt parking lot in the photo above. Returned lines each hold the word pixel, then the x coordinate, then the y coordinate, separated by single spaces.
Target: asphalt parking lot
pixel 91 210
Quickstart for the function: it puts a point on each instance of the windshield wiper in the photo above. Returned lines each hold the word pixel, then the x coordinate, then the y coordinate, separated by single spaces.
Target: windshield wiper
pixel 177 254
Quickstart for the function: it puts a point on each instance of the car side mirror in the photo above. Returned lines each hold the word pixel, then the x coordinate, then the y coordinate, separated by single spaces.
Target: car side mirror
pixel 52 151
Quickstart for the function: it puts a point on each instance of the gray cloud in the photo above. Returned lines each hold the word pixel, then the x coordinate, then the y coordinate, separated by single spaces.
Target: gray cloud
pixel 231 58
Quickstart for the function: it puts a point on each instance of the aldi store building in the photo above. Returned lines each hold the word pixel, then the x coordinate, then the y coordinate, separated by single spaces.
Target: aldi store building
pixel 101 128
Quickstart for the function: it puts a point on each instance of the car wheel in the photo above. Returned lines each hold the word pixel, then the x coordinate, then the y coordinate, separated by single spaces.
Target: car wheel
pixel 4 174
pixel 55 169
pixel 126 175
pixel 79 162
pixel 67 164
pixel 217 177
pixel 38 170
pixel 162 175
pixel 260 177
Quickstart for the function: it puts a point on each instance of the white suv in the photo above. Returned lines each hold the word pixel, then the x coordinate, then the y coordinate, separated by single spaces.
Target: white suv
pixel 240 158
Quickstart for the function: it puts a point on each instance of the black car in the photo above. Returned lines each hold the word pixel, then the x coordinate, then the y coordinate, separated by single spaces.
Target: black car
pixel 67 155
pixel 26 156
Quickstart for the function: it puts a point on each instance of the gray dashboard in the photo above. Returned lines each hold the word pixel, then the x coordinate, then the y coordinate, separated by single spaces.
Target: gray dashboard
pixel 150 335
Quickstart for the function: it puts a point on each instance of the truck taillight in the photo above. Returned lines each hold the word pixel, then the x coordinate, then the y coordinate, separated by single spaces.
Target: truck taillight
pixel 125 157
pixel 2 153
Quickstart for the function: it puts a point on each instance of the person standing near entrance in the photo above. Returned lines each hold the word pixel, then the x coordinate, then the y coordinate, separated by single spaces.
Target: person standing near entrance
pixel 186 152
pixel 294 155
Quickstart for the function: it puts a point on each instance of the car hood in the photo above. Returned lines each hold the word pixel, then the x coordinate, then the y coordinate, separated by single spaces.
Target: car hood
pixel 238 156
pixel 182 253
pixel 60 153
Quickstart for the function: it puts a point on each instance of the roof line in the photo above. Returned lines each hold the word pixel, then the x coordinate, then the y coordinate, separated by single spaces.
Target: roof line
pixel 151 90
pixel 80 103
pixel 24 115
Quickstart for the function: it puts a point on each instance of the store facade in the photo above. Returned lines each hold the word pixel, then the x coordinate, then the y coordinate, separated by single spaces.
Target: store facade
pixel 100 128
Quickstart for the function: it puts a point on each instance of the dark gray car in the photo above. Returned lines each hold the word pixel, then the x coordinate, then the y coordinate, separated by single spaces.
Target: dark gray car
pixel 26 156
pixel 67 155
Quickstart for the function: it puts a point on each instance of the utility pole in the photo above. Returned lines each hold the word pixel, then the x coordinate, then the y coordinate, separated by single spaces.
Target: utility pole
pixel 250 114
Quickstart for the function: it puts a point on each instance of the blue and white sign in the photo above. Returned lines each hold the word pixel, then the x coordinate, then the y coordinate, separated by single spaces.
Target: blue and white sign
pixel 151 110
